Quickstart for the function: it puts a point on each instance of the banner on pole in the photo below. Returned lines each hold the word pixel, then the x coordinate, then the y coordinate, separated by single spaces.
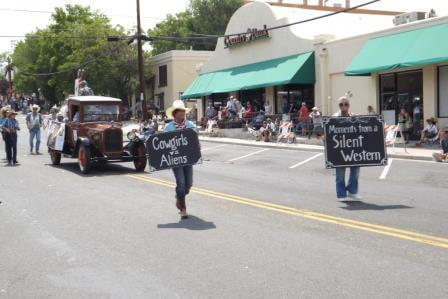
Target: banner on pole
pixel 56 136
pixel 173 149
pixel 354 141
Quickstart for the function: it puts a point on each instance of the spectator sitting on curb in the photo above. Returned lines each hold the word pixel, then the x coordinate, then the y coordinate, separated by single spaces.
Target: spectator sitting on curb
pixel 430 131
pixel 443 157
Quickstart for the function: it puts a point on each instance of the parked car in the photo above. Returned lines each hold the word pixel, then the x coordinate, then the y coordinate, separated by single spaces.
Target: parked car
pixel 92 133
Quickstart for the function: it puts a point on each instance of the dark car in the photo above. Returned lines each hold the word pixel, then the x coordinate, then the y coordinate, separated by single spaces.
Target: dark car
pixel 92 132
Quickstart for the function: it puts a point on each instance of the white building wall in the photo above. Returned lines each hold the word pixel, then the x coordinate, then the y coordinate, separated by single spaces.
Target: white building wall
pixel 283 42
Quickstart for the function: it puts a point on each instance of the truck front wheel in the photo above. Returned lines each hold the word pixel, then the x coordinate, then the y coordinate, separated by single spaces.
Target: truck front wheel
pixel 140 161
pixel 84 159
pixel 55 157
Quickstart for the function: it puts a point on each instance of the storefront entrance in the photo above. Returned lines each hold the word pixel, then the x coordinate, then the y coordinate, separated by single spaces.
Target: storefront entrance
pixel 256 97
pixel 289 98
pixel 402 90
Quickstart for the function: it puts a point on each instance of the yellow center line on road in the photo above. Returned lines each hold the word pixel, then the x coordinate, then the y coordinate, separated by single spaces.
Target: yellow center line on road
pixel 359 225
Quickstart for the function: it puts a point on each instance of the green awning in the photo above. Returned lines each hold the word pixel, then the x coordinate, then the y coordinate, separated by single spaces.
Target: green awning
pixel 296 69
pixel 407 49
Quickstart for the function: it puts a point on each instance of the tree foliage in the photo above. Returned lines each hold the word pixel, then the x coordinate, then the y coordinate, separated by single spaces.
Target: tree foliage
pixel 77 37
pixel 201 17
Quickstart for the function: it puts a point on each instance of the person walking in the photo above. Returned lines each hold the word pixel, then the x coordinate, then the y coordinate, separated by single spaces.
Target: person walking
pixel 350 191
pixel 183 174
pixel 3 118
pixel 34 123
pixel 10 128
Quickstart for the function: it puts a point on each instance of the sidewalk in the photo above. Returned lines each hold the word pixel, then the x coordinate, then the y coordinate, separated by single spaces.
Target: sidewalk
pixel 399 152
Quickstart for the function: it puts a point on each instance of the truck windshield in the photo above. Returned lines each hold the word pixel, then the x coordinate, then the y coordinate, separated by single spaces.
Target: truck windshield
pixel 93 113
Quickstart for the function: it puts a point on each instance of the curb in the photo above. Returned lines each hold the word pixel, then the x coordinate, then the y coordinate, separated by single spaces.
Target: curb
pixel 301 148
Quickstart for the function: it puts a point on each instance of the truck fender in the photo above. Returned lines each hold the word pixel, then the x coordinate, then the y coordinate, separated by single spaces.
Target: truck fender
pixel 81 140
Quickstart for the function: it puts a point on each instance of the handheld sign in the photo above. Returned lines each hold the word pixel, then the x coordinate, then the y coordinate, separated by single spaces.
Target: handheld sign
pixel 354 141
pixel 173 149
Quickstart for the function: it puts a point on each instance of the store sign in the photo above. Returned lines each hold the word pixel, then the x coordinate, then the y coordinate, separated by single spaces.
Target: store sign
pixel 173 149
pixel 250 36
pixel 354 141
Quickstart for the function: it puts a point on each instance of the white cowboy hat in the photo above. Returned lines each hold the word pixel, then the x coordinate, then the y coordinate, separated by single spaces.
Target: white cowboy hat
pixel 315 108
pixel 177 105
pixel 35 107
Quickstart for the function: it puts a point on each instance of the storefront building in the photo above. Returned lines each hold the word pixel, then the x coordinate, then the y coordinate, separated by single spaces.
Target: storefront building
pixel 172 72
pixel 403 66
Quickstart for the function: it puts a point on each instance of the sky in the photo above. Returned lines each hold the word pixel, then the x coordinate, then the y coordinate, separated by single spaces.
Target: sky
pixel 123 13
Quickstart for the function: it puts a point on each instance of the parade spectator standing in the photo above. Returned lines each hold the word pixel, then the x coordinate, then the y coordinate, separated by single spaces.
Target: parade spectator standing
pixel 317 120
pixel 249 111
pixel 183 174
pixel 210 111
pixel 3 118
pixel 267 109
pixel 10 128
pixel 304 120
pixel 443 157
pixel 231 108
pixel 34 123
pixel 353 185
pixel 405 123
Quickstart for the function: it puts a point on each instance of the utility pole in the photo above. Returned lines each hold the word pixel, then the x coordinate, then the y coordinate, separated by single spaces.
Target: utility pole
pixel 141 64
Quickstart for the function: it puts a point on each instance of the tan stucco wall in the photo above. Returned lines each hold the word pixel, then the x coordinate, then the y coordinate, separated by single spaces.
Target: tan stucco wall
pixel 182 67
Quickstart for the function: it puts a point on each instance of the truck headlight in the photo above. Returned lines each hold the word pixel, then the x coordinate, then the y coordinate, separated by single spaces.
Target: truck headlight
pixel 131 135
pixel 96 137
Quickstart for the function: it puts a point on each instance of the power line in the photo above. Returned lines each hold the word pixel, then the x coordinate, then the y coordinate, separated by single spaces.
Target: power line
pixel 295 23
pixel 50 12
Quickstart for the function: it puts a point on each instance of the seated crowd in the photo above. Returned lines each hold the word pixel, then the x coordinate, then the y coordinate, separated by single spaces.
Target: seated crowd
pixel 263 124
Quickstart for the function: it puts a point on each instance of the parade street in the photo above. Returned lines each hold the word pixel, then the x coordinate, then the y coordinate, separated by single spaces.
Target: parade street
pixel 263 223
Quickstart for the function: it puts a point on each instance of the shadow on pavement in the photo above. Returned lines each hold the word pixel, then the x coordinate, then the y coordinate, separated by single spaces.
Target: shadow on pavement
pixel 97 170
pixel 363 206
pixel 192 223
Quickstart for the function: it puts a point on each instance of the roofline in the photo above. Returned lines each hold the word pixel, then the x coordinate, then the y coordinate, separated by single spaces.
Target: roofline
pixel 98 99
pixel 393 30
pixel 172 55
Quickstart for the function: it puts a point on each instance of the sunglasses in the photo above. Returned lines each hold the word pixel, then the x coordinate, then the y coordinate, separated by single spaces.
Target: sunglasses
pixel 344 104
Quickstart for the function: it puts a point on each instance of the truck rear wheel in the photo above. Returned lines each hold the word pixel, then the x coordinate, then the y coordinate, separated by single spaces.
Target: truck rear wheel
pixel 55 157
pixel 140 161
pixel 84 159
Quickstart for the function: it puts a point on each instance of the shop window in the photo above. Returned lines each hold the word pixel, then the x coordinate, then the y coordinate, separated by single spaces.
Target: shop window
pixel 160 101
pixel 403 90
pixel 443 91
pixel 163 76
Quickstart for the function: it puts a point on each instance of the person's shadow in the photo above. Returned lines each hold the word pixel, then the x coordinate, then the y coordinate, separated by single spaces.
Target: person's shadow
pixel 192 223
pixel 363 206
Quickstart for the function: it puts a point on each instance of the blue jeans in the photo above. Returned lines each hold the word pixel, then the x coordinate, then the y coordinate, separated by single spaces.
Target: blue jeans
pixel 184 180
pixel 34 134
pixel 352 187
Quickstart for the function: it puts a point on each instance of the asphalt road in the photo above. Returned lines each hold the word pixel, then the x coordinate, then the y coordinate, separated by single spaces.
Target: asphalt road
pixel 258 229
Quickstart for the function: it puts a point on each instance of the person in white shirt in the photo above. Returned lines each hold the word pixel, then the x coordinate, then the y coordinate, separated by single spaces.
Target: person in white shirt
pixel 34 123
pixel 430 131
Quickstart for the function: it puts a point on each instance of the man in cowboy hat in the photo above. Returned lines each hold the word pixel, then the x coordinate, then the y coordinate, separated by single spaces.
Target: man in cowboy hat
pixel 34 123
pixel 184 174
pixel 10 128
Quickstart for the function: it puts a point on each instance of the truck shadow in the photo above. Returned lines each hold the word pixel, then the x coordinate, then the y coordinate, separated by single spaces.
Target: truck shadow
pixel 97 170
pixel 363 206
pixel 192 223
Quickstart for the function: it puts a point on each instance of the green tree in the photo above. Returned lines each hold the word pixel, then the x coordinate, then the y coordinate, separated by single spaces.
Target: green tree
pixel 77 37
pixel 209 17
